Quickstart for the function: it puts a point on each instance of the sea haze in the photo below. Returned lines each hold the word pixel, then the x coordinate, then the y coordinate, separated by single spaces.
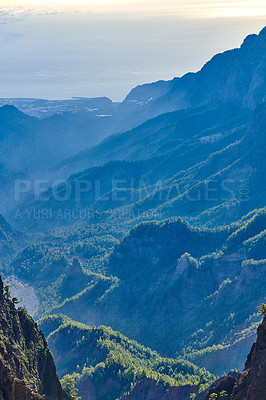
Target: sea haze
pixel 88 54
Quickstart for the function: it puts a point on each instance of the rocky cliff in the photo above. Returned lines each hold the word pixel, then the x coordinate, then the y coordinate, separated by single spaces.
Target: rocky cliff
pixel 27 369
pixel 251 383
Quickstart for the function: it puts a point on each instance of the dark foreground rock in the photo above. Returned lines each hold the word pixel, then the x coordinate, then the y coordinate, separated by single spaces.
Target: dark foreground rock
pixel 251 383
pixel 27 369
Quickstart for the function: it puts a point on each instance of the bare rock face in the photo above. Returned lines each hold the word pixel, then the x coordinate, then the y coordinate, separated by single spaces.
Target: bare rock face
pixel 27 369
pixel 251 383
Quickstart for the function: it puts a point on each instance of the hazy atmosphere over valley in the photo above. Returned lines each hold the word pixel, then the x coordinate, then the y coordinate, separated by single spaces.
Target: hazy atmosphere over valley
pixel 132 200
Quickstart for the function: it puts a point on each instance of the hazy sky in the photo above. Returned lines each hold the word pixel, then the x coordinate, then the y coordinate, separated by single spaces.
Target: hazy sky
pixel 60 49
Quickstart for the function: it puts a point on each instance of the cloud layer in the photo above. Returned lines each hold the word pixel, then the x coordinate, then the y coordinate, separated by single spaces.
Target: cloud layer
pixel 190 8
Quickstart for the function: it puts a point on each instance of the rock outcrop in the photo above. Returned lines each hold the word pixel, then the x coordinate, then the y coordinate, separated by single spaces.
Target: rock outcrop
pixel 251 383
pixel 27 369
pixel 75 268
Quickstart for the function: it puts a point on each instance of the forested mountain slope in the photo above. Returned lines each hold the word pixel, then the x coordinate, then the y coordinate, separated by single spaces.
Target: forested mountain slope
pixel 214 107
pixel 161 236
pixel 236 76
pixel 10 240
pixel 166 275
pixel 107 365
pixel 33 146
pixel 210 150
pixel 166 132
pixel 207 181
pixel 27 369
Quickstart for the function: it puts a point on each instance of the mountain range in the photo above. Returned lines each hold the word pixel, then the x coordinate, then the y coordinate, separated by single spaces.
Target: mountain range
pixel 204 162
pixel 147 286
pixel 150 228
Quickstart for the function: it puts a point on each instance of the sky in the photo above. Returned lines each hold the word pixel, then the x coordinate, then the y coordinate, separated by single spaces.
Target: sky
pixel 89 48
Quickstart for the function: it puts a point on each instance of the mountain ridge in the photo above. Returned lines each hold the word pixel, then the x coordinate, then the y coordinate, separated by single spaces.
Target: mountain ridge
pixel 225 175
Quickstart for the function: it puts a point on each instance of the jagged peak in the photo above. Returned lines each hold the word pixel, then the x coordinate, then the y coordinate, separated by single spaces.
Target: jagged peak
pixel 252 39
pixel 263 32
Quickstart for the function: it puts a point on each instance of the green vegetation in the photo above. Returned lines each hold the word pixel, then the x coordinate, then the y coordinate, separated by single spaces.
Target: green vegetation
pixel 135 280
pixel 7 292
pixel 262 310
pixel 144 260
pixel 47 264
pixel 94 356
pixel 24 352
pixel 223 395
pixel 138 285
pixel 68 384
pixel 178 164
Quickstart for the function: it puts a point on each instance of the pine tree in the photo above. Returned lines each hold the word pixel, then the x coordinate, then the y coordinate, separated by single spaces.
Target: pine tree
pixel 68 384
pixel 7 292
pixel 15 300
pixel 262 310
